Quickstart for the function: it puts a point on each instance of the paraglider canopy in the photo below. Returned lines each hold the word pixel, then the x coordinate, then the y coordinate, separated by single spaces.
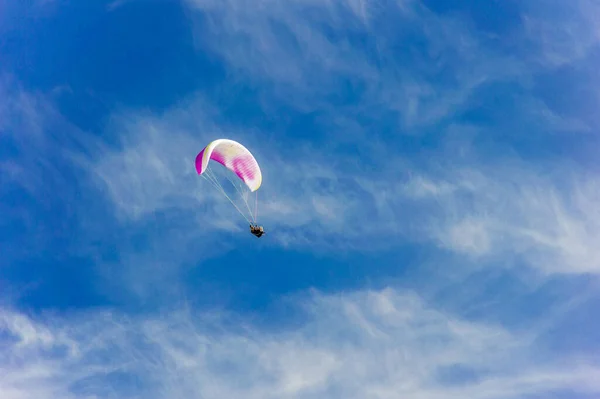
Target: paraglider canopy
pixel 234 157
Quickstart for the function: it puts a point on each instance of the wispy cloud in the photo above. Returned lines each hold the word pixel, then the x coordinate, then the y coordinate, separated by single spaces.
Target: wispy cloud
pixel 367 344
pixel 309 53
pixel 512 212
pixel 34 167
pixel 563 34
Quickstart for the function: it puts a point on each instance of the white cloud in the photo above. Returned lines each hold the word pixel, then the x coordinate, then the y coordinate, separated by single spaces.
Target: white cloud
pixel 377 344
pixel 469 235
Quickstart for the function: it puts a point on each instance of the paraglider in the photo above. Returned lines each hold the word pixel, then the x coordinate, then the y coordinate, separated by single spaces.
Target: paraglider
pixel 258 231
pixel 237 159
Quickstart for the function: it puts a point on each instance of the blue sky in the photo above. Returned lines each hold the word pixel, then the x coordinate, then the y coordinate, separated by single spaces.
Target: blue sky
pixel 430 191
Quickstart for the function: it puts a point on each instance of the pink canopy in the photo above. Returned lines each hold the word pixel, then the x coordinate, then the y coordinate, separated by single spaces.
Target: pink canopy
pixel 234 157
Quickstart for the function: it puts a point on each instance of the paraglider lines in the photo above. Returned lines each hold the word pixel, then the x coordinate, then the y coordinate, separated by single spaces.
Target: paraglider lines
pixel 209 175
pixel 243 195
